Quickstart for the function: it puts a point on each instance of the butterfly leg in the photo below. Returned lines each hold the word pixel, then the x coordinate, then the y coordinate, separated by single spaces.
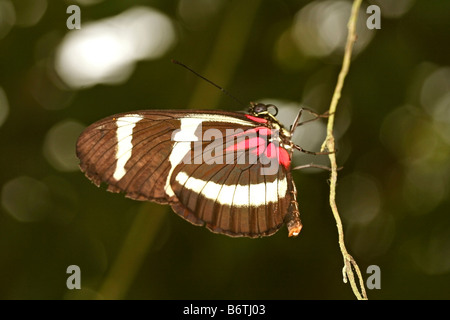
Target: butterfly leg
pixel 311 152
pixel 292 219
pixel 313 165
pixel 316 115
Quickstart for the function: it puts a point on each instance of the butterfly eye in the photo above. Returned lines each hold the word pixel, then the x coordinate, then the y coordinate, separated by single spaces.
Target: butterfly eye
pixel 260 108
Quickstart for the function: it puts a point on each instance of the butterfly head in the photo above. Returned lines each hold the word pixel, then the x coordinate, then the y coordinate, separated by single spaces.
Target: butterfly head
pixel 261 109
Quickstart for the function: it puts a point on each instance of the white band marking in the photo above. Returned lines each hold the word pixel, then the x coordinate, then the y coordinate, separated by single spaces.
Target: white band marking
pixel 220 118
pixel 236 195
pixel 124 135
pixel 181 147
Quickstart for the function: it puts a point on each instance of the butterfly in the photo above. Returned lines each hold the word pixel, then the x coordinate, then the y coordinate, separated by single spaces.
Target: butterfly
pixel 229 171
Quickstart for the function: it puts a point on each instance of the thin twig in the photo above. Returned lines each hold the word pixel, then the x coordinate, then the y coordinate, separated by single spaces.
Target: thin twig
pixel 329 144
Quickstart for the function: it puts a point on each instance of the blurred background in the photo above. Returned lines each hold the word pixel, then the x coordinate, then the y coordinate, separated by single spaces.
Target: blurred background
pixel 392 131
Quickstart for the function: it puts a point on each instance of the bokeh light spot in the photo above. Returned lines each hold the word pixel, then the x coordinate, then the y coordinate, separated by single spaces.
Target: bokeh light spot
pixel 373 239
pixel 359 199
pixel 25 199
pixel 59 145
pixel 320 28
pixel 407 134
pixel 7 17
pixel 106 51
pixel 415 139
pixel 88 2
pixel 435 99
pixel 431 253
pixel 29 12
pixel 4 106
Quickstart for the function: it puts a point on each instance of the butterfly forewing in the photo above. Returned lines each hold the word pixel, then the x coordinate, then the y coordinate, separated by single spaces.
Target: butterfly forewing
pixel 129 152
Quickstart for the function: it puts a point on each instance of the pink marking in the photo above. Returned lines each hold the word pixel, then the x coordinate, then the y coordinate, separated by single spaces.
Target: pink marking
pixel 259 149
pixel 246 132
pixel 261 130
pixel 264 131
pixel 284 158
pixel 252 141
pixel 256 119
pixel 257 145
pixel 247 144
pixel 273 151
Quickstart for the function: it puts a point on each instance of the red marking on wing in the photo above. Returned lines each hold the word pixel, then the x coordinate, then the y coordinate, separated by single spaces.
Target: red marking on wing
pixel 258 150
pixel 257 145
pixel 252 141
pixel 248 144
pixel 256 119
pixel 264 131
pixel 284 158
pixel 261 130
pixel 247 132
pixel 272 151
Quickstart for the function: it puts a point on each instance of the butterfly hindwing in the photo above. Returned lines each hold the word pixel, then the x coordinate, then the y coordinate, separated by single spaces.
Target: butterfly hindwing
pixel 231 198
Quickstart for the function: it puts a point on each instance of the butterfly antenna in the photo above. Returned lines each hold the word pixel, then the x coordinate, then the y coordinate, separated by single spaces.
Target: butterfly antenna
pixel 209 81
